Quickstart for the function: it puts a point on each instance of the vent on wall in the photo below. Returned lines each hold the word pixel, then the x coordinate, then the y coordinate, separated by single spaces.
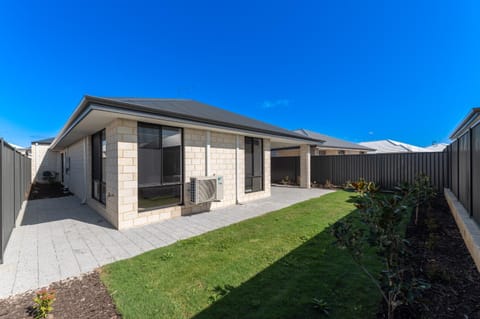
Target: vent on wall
pixel 206 189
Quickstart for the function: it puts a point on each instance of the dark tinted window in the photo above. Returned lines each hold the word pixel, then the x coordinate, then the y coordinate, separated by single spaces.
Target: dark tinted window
pixel 159 166
pixel 253 164
pixel 99 157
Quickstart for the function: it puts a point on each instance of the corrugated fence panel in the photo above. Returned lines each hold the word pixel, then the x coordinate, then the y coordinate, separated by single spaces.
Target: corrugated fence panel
pixel 464 171
pixel 476 172
pixel 285 166
pixel 14 187
pixel 454 168
pixel 388 170
pixel 8 194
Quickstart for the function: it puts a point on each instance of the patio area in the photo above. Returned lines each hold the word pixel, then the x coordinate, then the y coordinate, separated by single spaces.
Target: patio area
pixel 60 238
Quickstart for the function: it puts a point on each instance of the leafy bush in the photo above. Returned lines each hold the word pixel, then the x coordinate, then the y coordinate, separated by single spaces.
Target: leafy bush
pixel 362 186
pixel 423 193
pixel 43 303
pixel 380 217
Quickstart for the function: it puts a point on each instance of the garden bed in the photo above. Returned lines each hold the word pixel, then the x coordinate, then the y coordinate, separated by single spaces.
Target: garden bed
pixel 440 256
pixel 84 297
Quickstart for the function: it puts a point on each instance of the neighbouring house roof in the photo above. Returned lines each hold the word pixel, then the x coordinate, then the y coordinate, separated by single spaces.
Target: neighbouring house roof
pixel 332 142
pixel 45 141
pixel 439 147
pixel 179 109
pixel 391 146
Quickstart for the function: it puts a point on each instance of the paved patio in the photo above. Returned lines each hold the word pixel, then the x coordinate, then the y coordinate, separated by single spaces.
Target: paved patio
pixel 60 238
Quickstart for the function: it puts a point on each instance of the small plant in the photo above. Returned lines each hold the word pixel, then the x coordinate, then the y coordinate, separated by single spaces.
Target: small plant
pixel 362 186
pixel 321 305
pixel 328 184
pixel 285 180
pixel 43 303
pixel 219 292
pixel 166 256
pixel 423 193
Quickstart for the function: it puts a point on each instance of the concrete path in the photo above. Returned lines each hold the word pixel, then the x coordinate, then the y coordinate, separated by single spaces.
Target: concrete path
pixel 60 238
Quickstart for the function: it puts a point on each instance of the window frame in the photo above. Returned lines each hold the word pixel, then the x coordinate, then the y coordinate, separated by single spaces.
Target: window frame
pixel 262 154
pixel 180 183
pixel 103 137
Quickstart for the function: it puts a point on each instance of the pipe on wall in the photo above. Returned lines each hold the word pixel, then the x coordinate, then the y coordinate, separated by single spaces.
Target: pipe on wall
pixel 207 153
pixel 85 176
pixel 237 148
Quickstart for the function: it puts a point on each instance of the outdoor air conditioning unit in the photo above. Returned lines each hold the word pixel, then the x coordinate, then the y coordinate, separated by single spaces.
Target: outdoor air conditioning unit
pixel 206 189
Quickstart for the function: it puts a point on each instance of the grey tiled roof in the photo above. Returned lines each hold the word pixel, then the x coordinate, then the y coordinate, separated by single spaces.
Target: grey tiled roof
pixel 199 112
pixel 44 141
pixel 332 141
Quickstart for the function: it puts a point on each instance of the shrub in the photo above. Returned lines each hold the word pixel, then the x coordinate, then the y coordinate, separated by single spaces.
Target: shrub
pixel 43 303
pixel 362 186
pixel 380 217
pixel 423 193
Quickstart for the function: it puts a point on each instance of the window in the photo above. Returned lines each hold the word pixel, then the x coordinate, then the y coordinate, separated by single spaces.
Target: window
pixel 159 166
pixel 253 164
pixel 99 157
pixel 342 152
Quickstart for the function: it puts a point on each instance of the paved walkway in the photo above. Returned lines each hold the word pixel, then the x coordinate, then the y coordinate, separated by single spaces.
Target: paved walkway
pixel 60 238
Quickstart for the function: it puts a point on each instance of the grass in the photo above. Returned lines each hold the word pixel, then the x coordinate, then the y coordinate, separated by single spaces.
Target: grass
pixel 271 266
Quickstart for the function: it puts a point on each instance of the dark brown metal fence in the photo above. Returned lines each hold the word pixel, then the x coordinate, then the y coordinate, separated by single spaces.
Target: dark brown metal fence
pixel 15 177
pixel 465 170
pixel 283 167
pixel 388 170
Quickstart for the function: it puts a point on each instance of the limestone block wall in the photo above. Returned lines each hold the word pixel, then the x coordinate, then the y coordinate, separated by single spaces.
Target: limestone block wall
pixel 44 160
pixel 222 163
pixel 305 168
pixel 122 176
pixel 205 153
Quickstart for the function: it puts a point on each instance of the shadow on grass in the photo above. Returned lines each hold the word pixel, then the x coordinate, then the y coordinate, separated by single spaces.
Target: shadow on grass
pixel 287 288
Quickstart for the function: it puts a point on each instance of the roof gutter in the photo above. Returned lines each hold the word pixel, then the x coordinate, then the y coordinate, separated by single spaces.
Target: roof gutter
pixel 471 120
pixel 71 123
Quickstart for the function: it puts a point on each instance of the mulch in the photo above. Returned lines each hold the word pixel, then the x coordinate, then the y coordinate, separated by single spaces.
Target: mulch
pixel 47 190
pixel 442 259
pixel 83 297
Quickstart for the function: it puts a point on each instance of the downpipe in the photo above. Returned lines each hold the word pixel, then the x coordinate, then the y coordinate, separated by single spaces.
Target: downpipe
pixel 85 177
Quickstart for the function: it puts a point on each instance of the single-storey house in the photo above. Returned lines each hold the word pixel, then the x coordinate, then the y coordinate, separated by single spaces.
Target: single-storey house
pixel 137 161
pixel 327 145
pixel 43 160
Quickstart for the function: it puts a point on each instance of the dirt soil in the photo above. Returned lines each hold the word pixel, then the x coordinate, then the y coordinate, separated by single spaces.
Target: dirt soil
pixel 48 190
pixel 441 257
pixel 84 297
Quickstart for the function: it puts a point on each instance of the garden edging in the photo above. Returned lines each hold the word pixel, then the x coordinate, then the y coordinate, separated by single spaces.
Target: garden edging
pixel 468 227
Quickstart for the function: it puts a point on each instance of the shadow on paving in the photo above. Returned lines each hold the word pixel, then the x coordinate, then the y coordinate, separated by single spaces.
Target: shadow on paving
pixel 47 190
pixel 286 289
pixel 59 209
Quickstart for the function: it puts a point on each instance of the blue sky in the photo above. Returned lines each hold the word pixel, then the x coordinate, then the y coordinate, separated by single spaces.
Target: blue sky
pixel 358 70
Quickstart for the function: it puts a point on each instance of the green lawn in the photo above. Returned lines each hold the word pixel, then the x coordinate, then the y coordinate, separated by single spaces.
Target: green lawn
pixel 267 267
